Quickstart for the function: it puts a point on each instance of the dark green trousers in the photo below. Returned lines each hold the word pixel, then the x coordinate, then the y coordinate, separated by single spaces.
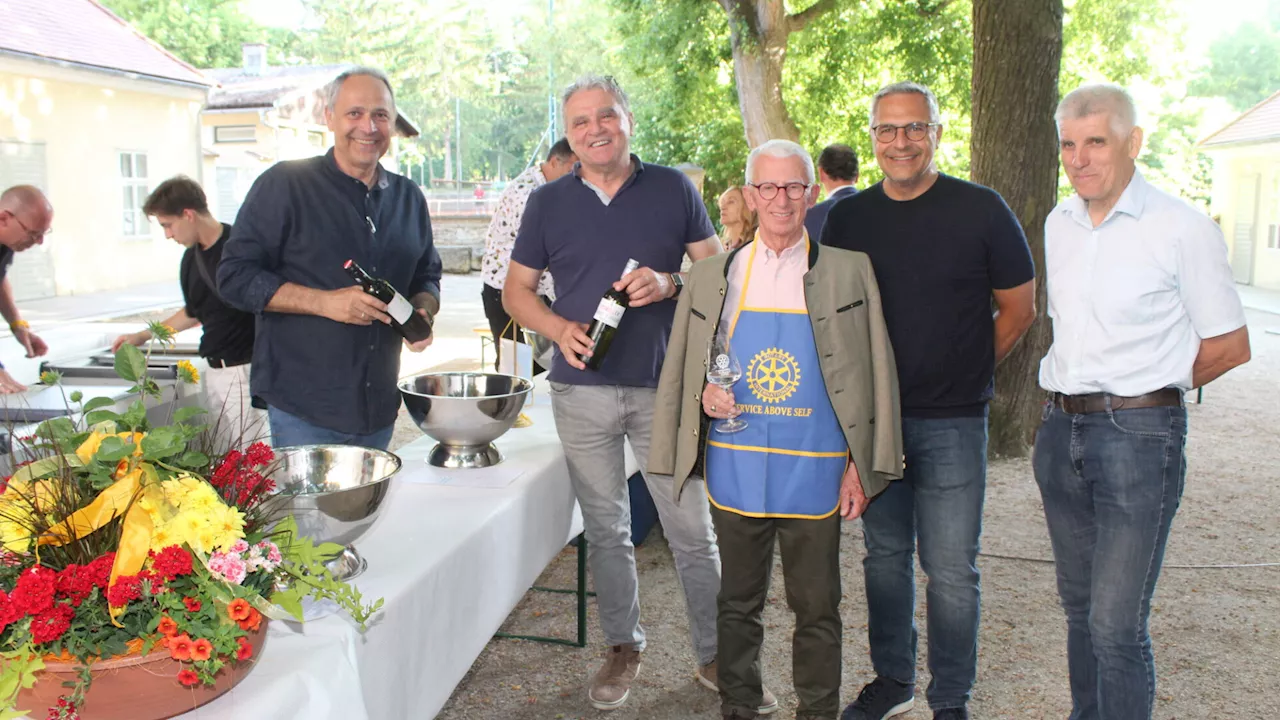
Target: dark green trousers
pixel 811 571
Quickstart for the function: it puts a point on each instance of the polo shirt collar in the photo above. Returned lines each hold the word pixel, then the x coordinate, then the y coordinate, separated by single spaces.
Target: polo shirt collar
pixel 331 163
pixel 637 167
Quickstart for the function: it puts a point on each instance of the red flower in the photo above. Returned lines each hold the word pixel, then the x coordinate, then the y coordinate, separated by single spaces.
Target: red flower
pixel 171 562
pixel 126 589
pixel 180 647
pixel 51 624
pixel 201 650
pixel 251 623
pixel 167 627
pixel 239 609
pixel 100 569
pixel 188 677
pixel 75 583
pixel 236 480
pixel 193 605
pixel 64 710
pixel 244 650
pixel 33 593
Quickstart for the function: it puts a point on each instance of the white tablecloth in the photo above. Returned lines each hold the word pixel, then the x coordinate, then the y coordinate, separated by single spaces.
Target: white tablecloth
pixel 451 562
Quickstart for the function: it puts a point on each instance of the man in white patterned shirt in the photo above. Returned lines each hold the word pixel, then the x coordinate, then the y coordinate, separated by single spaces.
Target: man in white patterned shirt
pixel 502 235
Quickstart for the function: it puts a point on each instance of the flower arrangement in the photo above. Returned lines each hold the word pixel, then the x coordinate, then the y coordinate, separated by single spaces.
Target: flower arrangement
pixel 117 537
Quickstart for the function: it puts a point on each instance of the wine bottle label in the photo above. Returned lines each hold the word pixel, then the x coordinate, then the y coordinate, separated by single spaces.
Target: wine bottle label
pixel 400 309
pixel 609 312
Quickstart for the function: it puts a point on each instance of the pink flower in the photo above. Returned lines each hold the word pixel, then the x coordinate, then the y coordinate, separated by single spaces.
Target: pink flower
pixel 228 567
pixel 240 547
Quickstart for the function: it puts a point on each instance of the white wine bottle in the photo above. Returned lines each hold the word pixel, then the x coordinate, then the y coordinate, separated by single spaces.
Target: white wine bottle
pixel 605 324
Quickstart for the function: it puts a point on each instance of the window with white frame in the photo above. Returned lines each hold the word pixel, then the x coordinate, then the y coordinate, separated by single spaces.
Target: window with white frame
pixel 133 178
pixel 235 134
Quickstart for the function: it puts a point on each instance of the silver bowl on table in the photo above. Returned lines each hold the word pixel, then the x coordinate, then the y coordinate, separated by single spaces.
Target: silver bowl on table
pixel 464 412
pixel 334 493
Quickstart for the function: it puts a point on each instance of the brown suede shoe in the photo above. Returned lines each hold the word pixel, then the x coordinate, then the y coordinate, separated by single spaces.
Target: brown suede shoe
pixel 709 676
pixel 612 683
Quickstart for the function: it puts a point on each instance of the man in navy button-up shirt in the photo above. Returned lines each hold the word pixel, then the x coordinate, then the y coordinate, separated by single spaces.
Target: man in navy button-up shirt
pixel 325 357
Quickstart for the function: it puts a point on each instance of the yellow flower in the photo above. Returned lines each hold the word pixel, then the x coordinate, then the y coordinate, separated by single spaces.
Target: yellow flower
pixel 188 372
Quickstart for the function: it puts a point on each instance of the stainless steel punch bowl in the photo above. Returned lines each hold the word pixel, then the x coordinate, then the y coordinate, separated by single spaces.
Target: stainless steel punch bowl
pixel 334 493
pixel 464 412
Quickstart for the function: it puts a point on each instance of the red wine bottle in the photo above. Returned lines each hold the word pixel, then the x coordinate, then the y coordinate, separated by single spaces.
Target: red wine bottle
pixel 404 318
pixel 605 324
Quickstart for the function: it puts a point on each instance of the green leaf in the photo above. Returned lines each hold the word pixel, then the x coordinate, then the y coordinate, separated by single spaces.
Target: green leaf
pixel 45 466
pixel 98 402
pixel 193 459
pixel 60 430
pixel 186 413
pixel 130 363
pixel 113 449
pixel 101 416
pixel 162 443
pixel 289 600
pixel 136 415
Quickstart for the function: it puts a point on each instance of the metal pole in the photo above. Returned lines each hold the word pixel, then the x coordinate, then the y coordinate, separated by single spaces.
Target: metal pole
pixel 457 115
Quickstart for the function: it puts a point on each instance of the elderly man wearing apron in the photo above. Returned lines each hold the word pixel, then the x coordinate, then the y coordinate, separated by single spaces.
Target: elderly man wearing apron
pixel 819 397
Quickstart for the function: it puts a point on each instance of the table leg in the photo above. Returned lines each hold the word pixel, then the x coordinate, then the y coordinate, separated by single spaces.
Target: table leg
pixel 582 594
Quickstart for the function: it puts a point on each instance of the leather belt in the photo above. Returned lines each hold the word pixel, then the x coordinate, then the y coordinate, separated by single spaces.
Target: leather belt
pixel 1097 402
pixel 221 363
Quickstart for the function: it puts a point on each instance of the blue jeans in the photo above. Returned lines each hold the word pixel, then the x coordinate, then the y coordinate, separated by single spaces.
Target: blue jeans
pixel 937 505
pixel 289 430
pixel 1111 483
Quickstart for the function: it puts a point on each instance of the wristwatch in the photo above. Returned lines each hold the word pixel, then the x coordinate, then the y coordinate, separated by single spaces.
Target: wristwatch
pixel 678 282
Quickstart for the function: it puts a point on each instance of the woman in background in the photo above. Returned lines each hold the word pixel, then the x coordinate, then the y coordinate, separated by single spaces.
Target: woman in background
pixel 737 220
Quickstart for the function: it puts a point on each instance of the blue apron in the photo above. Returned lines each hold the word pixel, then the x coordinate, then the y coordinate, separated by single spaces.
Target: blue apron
pixel 789 460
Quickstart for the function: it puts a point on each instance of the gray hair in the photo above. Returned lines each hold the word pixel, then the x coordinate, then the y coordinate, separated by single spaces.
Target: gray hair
pixel 1098 98
pixel 781 149
pixel 596 82
pixel 906 88
pixel 335 85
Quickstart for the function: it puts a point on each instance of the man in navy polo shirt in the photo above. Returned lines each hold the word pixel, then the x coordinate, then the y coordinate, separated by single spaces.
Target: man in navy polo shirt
pixel 943 249
pixel 583 228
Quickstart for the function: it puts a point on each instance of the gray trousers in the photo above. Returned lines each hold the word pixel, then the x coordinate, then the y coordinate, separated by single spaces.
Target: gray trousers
pixel 593 421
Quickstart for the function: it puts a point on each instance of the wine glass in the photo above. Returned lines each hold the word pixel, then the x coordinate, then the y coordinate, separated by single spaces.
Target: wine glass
pixel 723 370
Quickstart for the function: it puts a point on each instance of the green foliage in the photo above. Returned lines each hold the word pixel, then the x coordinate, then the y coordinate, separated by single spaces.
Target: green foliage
pixel 304 561
pixel 204 33
pixel 18 668
pixel 1244 65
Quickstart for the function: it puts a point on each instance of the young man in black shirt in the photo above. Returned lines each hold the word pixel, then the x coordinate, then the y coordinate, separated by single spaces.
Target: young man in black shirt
pixel 179 205
pixel 942 249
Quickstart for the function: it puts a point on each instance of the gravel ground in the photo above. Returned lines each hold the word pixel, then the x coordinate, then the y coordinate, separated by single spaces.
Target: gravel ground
pixel 1216 630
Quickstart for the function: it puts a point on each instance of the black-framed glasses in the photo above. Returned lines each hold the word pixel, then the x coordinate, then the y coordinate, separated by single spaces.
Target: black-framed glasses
pixel 769 191
pixel 887 133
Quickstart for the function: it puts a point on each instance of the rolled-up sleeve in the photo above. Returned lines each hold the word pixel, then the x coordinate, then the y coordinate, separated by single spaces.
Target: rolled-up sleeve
pixel 246 275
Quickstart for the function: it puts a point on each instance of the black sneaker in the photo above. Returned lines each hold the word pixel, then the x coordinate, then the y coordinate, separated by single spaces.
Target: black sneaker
pixel 951 714
pixel 882 698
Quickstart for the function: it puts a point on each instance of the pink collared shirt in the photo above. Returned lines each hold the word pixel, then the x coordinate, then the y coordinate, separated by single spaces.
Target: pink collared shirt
pixel 776 279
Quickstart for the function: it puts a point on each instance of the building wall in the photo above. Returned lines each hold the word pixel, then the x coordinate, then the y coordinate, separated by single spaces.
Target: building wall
pixel 1246 200
pixel 84 119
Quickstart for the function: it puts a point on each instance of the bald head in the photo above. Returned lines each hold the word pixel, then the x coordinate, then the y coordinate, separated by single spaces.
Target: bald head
pixel 25 217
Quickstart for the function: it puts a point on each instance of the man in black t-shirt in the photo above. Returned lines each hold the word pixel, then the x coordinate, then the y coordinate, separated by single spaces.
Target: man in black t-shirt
pixel 942 249
pixel 179 205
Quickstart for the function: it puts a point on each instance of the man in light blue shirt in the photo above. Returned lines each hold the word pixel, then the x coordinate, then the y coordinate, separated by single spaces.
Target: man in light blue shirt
pixel 1143 309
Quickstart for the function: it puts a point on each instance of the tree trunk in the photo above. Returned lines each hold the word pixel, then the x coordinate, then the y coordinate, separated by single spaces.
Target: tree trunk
pixel 1017 55
pixel 759 30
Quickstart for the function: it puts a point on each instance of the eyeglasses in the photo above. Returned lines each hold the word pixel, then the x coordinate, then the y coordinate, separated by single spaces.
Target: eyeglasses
pixel 769 191
pixel 32 235
pixel 887 133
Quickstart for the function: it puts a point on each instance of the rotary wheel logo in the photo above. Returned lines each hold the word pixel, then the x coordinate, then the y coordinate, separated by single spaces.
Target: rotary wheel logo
pixel 773 375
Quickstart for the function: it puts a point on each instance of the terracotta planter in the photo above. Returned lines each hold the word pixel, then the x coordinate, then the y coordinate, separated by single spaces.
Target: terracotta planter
pixel 136 687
